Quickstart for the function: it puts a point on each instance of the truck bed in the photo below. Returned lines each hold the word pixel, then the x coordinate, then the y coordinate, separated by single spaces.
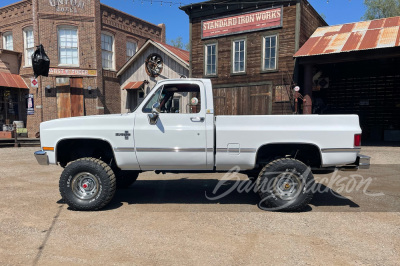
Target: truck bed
pixel 239 137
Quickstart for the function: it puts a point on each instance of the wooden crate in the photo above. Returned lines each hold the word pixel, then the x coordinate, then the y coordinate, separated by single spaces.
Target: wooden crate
pixel 6 134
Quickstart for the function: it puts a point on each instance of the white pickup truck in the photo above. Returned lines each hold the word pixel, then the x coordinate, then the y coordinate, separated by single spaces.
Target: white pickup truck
pixel 175 130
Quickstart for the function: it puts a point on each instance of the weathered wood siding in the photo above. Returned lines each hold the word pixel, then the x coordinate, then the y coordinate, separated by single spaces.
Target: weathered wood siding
pixel 234 91
pixel 137 72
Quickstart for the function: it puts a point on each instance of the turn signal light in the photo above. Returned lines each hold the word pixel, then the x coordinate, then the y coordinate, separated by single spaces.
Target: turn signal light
pixel 48 148
pixel 357 140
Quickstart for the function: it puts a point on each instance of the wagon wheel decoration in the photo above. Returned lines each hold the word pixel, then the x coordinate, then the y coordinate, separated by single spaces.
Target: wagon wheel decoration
pixel 154 65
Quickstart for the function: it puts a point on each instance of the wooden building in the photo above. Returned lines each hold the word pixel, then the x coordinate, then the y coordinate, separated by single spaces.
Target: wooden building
pixel 246 48
pixel 354 69
pixel 153 62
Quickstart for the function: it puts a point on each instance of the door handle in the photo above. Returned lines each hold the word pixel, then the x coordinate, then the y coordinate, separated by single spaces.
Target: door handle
pixel 197 119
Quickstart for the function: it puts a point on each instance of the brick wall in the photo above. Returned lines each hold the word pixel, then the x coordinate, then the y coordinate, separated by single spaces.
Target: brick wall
pixel 90 18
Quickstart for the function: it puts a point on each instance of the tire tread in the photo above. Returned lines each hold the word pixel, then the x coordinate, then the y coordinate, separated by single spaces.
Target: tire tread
pixel 110 194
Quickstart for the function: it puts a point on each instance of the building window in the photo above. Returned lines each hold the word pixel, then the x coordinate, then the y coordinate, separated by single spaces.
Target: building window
pixel 107 47
pixel 29 44
pixel 239 56
pixel 211 59
pixel 269 58
pixel 130 49
pixel 68 46
pixel 8 41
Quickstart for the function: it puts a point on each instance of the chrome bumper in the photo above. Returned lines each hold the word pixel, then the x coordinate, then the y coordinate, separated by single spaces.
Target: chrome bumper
pixel 42 158
pixel 362 162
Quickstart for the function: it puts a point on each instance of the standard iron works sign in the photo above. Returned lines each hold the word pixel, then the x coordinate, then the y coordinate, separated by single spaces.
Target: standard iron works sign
pixel 72 72
pixel 246 22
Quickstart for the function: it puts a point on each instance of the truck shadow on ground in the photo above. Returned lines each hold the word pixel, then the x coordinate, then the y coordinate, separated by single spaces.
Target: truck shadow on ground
pixel 196 191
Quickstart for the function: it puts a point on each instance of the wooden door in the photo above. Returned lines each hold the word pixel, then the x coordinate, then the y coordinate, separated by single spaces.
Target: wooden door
pixel 63 102
pixel 261 100
pixel 77 108
pixel 252 100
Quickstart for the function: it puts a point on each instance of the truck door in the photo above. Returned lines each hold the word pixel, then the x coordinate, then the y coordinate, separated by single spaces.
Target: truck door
pixel 176 140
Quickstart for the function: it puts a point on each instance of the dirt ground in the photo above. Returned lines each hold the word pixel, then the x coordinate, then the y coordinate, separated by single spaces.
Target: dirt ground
pixel 167 219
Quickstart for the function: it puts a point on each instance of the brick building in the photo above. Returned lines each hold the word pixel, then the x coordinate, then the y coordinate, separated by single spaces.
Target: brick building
pixel 246 48
pixel 87 43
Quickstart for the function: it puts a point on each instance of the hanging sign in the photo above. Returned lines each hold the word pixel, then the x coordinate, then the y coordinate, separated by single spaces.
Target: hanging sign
pixel 34 83
pixel 245 22
pixel 30 110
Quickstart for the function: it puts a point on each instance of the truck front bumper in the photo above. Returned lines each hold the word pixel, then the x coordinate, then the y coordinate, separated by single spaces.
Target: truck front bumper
pixel 41 157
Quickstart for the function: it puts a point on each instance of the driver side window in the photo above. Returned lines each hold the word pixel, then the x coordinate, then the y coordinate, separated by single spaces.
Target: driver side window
pixel 155 98
pixel 176 99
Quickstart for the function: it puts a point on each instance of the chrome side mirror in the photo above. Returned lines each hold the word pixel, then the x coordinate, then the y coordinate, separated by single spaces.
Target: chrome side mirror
pixel 155 111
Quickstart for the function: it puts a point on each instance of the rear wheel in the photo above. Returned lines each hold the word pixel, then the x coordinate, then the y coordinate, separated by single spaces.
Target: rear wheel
pixel 87 184
pixel 285 185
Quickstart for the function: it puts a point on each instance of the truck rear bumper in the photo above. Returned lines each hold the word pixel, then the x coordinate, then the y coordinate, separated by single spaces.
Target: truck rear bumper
pixel 41 157
pixel 362 162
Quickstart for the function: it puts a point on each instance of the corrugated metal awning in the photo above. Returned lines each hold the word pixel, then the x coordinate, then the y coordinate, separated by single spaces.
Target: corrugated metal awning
pixel 12 81
pixel 134 85
pixel 364 35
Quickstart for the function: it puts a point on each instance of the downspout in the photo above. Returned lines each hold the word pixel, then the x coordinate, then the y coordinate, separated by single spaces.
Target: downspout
pixel 190 49
pixel 36 32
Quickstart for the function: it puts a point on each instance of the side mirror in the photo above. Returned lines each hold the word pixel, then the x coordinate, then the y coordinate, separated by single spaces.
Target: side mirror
pixel 155 111
pixel 156 108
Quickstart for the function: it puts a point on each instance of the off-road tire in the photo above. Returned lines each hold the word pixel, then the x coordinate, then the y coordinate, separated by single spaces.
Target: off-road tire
pixel 97 172
pixel 125 178
pixel 275 197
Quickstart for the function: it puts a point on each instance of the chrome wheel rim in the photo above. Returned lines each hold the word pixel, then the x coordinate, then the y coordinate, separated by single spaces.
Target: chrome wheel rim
pixel 287 185
pixel 85 186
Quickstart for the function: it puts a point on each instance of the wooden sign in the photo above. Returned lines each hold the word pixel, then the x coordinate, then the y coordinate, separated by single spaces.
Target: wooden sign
pixel 72 72
pixel 245 22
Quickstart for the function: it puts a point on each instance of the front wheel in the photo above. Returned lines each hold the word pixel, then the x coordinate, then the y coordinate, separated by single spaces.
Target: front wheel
pixel 285 185
pixel 87 184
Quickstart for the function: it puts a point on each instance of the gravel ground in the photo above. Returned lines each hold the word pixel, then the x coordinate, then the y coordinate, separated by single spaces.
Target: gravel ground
pixel 382 155
pixel 166 219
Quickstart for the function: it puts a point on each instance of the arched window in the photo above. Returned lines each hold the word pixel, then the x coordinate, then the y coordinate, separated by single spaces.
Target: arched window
pixel 8 41
pixel 29 45
pixel 68 53
pixel 107 48
pixel 131 48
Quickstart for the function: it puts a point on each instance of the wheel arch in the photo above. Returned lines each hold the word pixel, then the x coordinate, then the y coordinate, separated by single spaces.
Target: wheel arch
pixel 73 144
pixel 269 151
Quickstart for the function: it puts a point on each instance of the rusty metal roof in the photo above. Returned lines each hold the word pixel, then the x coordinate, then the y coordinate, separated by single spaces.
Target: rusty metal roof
pixel 134 85
pixel 12 81
pixel 364 35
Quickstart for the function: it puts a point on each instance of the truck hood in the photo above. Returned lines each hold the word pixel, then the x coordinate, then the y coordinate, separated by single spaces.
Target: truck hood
pixel 81 122
pixel 102 127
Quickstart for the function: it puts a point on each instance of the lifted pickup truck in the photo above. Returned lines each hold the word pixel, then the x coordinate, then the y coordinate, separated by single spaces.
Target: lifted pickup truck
pixel 175 130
